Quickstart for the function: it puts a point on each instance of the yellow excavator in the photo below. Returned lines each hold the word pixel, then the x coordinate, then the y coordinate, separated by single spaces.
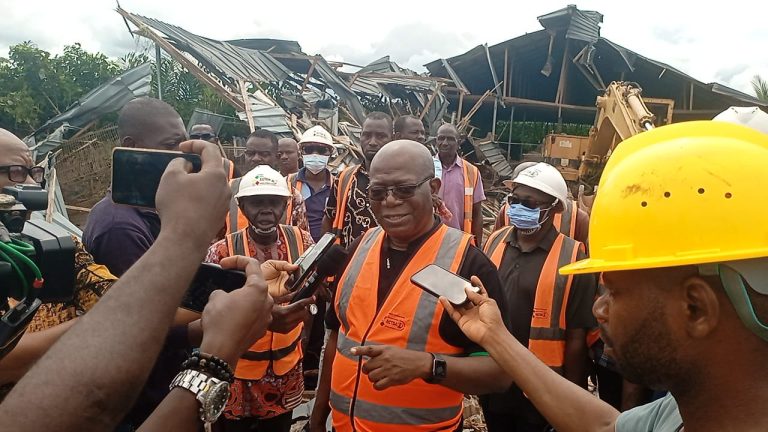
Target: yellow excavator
pixel 621 113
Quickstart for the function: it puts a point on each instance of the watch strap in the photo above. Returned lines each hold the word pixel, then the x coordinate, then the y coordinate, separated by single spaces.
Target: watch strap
pixel 198 383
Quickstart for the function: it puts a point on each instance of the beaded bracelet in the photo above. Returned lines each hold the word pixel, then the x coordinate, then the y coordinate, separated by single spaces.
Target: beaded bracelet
pixel 208 363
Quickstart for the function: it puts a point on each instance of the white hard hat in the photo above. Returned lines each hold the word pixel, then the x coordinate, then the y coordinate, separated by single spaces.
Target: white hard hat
pixel 316 134
pixel 746 116
pixel 546 178
pixel 263 180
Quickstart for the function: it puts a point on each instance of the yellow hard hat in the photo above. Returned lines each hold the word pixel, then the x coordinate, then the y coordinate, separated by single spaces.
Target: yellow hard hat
pixel 687 193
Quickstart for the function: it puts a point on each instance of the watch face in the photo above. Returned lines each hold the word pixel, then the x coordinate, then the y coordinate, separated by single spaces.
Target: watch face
pixel 440 369
pixel 215 401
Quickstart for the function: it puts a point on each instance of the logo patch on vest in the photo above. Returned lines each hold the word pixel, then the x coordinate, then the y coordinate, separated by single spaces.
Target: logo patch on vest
pixel 393 321
pixel 540 313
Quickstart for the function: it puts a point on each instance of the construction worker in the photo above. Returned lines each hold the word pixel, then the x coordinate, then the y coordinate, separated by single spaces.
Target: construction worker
pixel 686 301
pixel 288 153
pixel 206 133
pixel 268 378
pixel 548 314
pixel 413 370
pixel 462 187
pixel 261 149
pixel 573 222
pixel 348 212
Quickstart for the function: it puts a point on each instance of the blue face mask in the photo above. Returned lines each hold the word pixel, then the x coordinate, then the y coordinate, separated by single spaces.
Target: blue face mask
pixel 524 218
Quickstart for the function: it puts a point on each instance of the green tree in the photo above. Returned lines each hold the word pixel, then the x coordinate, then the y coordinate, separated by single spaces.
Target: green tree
pixel 761 88
pixel 35 86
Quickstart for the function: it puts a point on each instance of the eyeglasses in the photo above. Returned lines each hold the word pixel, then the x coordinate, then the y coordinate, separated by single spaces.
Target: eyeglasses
pixel 204 136
pixel 401 192
pixel 19 173
pixel 316 149
pixel 530 203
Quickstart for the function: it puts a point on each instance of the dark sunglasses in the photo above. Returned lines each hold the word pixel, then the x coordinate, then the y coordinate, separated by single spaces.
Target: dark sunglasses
pixel 530 203
pixel 19 173
pixel 316 149
pixel 401 192
pixel 204 137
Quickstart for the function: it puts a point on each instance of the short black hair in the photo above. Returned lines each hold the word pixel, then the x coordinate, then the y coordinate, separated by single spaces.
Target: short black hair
pixel 400 121
pixel 264 134
pixel 133 117
pixel 378 115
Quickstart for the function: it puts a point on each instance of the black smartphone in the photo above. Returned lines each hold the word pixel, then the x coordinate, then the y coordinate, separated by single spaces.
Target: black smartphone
pixel 209 278
pixel 136 174
pixel 307 262
pixel 440 282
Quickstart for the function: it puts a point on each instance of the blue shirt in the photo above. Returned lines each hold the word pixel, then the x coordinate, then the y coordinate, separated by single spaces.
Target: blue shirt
pixel 314 201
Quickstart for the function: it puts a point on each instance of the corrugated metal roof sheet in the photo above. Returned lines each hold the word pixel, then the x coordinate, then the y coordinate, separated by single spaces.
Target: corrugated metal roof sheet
pixel 579 25
pixel 221 58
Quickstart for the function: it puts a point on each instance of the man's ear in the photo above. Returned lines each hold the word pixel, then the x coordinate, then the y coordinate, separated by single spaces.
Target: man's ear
pixel 701 306
pixel 128 142
pixel 435 184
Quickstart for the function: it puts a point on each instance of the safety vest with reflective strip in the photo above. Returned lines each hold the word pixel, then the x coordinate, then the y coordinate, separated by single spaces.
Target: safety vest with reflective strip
pixel 409 318
pixel 570 214
pixel 281 352
pixel 237 221
pixel 344 191
pixel 471 178
pixel 548 323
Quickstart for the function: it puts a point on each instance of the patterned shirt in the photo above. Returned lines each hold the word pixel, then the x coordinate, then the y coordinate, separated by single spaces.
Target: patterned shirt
pixel 359 216
pixel 273 394
pixel 91 282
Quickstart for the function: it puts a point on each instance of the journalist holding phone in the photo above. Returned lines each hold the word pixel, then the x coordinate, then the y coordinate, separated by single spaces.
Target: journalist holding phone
pixel 415 365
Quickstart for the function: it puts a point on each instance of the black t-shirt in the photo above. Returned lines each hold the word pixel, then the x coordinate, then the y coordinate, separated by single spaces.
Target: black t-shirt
pixel 475 263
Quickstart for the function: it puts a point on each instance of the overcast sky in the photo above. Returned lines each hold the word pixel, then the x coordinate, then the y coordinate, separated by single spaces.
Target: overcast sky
pixel 727 44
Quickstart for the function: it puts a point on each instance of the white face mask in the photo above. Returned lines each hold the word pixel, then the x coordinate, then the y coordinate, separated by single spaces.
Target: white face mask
pixel 315 162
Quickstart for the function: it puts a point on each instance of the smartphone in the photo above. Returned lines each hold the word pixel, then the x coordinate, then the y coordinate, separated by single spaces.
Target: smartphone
pixel 308 261
pixel 209 278
pixel 440 282
pixel 136 174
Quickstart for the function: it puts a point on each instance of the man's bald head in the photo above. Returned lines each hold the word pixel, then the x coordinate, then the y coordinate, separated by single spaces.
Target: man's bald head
pixel 150 123
pixel 411 156
pixel 13 151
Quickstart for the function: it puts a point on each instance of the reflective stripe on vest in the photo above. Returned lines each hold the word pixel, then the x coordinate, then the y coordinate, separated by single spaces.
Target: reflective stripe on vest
pixel 281 352
pixel 409 318
pixel 471 177
pixel 344 191
pixel 568 215
pixel 548 321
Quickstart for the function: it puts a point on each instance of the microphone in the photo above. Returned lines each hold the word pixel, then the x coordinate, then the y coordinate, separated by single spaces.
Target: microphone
pixel 327 265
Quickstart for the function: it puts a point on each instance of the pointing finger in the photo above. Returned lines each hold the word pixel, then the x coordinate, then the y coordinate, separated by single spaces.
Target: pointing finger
pixel 368 350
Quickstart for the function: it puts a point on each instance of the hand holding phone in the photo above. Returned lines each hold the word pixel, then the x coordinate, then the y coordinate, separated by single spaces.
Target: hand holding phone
pixel 441 283
pixel 209 278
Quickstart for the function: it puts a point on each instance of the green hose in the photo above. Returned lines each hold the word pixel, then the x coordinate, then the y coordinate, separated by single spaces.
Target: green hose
pixel 15 268
pixel 14 251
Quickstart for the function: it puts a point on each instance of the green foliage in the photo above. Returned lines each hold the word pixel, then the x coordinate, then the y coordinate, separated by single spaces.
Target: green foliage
pixel 34 86
pixel 761 87
pixel 534 132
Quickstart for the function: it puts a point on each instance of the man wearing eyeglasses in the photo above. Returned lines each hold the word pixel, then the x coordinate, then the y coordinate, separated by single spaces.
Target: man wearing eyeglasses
pixel 462 188
pixel 547 313
pixel 414 367
pixel 206 133
pixel 91 280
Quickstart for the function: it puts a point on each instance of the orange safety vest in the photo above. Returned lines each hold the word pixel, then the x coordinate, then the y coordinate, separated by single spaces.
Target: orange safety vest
pixel 409 318
pixel 570 214
pixel 548 323
pixel 471 178
pixel 237 221
pixel 344 191
pixel 281 352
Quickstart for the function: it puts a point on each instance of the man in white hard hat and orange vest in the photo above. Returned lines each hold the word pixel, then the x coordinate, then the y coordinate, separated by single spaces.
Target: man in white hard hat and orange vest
pixel 549 314
pixel 268 378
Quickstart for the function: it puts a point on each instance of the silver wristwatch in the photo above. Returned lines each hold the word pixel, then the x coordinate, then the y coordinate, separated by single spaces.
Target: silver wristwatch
pixel 212 393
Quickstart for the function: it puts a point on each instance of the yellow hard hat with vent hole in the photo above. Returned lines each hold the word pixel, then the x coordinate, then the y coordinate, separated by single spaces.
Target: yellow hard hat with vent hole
pixel 682 194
